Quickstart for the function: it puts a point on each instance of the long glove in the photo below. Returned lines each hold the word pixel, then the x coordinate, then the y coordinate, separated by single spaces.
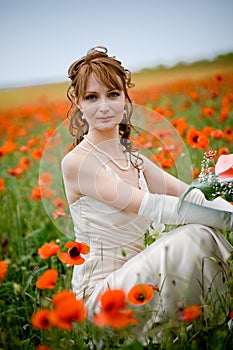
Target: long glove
pixel 196 196
pixel 164 209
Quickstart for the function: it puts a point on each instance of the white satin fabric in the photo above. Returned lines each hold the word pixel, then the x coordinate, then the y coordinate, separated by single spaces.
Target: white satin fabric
pixel 188 264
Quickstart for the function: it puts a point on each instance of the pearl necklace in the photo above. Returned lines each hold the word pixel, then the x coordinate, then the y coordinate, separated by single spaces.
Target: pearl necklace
pixel 109 156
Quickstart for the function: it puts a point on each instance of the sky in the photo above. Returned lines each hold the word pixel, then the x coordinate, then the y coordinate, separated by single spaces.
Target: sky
pixel 40 39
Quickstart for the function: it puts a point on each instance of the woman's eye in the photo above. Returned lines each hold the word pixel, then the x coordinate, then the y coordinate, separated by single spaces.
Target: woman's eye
pixel 90 97
pixel 114 94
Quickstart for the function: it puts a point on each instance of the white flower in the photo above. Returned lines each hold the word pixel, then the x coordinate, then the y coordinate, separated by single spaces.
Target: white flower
pixel 156 230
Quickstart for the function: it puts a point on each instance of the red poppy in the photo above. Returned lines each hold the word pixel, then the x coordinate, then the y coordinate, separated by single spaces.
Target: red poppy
pixel 207 130
pixel 197 139
pixel 223 150
pixel 217 134
pixel 2 187
pixel 63 295
pixel 45 179
pixel 3 270
pixel 41 319
pixel 194 95
pixel 180 124
pixel 47 280
pixel 17 172
pixel 112 312
pixel 228 131
pixel 38 193
pixel 49 133
pixel 73 256
pixel 24 163
pixel 59 214
pixel 37 154
pixel 23 149
pixel 48 249
pixel 189 313
pixel 42 347
pixel 32 142
pixel 164 158
pixel 59 203
pixel 7 147
pixel 218 77
pixel 208 111
pixel 141 294
pixel 67 309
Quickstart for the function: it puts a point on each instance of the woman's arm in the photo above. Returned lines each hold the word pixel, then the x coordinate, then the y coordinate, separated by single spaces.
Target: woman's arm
pixel 159 181
pixel 83 175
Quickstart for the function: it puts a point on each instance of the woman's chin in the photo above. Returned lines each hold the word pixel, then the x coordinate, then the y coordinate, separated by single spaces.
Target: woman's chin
pixel 106 126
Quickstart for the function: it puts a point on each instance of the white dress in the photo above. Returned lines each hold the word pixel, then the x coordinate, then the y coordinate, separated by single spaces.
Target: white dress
pixel 188 264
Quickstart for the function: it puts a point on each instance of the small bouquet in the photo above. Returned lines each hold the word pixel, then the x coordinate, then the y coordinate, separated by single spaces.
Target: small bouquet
pixel 214 180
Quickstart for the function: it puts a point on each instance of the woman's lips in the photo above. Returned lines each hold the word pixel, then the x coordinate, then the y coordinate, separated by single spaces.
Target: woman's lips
pixel 105 119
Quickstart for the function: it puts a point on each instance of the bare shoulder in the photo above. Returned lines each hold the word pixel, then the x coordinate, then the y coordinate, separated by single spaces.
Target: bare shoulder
pixel 71 165
pixel 72 160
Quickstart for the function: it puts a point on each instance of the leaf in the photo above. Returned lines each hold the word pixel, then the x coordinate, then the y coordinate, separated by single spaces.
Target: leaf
pixel 228 197
pixel 206 189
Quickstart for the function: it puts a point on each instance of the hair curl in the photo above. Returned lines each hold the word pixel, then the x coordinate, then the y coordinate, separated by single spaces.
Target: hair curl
pixel 109 71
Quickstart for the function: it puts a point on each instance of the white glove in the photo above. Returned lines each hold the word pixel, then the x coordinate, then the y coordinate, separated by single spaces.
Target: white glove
pixel 164 209
pixel 196 196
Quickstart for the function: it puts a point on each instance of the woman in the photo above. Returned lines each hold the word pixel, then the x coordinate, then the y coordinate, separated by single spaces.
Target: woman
pixel 114 194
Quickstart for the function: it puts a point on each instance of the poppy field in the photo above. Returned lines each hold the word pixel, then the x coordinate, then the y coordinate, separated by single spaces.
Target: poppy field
pixel 37 249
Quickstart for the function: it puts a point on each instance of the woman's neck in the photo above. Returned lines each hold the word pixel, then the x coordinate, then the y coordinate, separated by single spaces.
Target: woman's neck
pixel 108 140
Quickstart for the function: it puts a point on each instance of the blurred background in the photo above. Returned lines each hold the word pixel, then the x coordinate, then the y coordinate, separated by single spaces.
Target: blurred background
pixel 40 39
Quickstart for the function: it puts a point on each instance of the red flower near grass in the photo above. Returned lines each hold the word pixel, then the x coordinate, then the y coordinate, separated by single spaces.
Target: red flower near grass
pixel 59 203
pixel 41 319
pixel 48 249
pixel 217 134
pixel 42 347
pixel 113 313
pixel 141 294
pixel 67 309
pixel 41 192
pixel 47 280
pixel 7 147
pixel 3 270
pixel 197 139
pixel 180 124
pixel 17 172
pixel 164 158
pixel 73 256
pixel 228 132
pixel 2 187
pixel 208 111
pixel 189 313
pixel 59 214
pixel 37 153
pixel 45 179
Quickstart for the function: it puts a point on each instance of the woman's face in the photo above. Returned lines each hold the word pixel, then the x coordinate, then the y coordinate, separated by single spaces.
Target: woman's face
pixel 102 107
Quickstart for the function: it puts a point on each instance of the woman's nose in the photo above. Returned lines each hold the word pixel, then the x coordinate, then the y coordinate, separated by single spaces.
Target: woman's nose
pixel 103 107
